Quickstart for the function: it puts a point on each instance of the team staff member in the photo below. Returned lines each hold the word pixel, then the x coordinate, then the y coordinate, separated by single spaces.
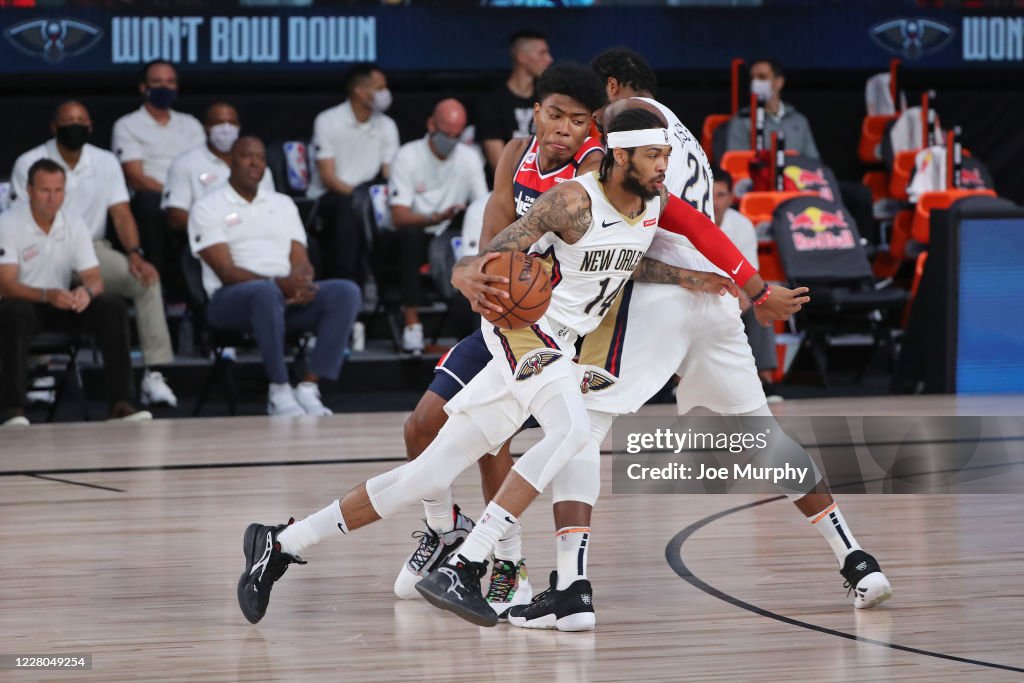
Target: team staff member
pixel 432 180
pixel 146 141
pixel 353 143
pixel 259 279
pixel 41 247
pixel 95 187
pixel 204 168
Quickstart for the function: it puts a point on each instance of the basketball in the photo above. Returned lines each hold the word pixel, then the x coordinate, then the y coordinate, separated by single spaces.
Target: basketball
pixel 529 290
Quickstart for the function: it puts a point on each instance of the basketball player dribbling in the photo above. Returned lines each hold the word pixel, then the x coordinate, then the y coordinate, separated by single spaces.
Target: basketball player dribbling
pixel 494 404
pixel 566 97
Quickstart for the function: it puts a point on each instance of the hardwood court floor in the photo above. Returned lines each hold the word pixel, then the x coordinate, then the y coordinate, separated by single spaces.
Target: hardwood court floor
pixel 123 541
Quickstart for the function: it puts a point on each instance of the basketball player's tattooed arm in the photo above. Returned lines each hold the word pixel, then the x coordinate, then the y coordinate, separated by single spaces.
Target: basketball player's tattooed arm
pixel 679 217
pixel 564 209
pixel 657 272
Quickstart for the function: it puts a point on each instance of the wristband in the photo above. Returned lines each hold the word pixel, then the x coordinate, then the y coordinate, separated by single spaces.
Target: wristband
pixel 137 250
pixel 42 297
pixel 761 296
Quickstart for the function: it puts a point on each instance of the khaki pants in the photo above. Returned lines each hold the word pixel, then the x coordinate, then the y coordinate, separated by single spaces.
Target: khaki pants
pixel 150 319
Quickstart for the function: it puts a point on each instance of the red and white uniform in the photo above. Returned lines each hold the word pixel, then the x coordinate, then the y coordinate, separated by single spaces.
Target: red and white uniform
pixel 529 182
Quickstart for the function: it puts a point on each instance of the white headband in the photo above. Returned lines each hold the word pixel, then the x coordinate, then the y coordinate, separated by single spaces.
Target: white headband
pixel 637 138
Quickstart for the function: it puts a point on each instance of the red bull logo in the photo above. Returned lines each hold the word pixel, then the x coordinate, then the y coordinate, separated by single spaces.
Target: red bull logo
pixel 806 180
pixel 828 230
pixel 971 177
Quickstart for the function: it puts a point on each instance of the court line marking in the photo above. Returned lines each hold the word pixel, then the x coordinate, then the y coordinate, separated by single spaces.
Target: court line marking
pixel 76 483
pixel 342 461
pixel 674 557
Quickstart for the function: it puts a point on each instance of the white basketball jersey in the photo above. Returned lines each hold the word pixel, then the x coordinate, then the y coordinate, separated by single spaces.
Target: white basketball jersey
pixel 688 177
pixel 588 275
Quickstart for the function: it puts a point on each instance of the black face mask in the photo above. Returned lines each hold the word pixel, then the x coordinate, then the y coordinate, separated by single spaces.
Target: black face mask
pixel 72 137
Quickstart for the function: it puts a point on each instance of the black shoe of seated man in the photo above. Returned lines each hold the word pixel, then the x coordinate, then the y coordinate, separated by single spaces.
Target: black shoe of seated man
pixel 571 609
pixel 456 588
pixel 264 564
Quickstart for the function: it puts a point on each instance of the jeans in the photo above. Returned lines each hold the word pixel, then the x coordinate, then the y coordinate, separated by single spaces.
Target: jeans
pixel 258 307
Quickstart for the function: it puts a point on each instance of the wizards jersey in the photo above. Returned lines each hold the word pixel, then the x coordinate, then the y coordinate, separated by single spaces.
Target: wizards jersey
pixel 530 182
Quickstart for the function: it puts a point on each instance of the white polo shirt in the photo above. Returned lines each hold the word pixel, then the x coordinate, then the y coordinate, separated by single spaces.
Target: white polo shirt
pixel 358 149
pixel 741 231
pixel 426 184
pixel 94 185
pixel 258 233
pixel 195 174
pixel 45 259
pixel 139 136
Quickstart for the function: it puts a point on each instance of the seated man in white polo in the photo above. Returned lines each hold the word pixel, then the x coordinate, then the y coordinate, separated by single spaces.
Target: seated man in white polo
pixel 259 279
pixel 95 188
pixel 41 247
pixel 432 180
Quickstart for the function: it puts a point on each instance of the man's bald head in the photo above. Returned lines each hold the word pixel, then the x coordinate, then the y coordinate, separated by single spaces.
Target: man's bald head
pixel 449 117
pixel 248 163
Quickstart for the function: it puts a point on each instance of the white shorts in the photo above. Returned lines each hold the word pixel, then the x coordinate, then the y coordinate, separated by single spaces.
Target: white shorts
pixel 525 364
pixel 666 330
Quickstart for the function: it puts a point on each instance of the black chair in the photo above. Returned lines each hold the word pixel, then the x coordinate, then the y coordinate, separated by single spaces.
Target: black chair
pixel 60 344
pixel 289 164
pixel 216 340
pixel 821 248
pixel 386 275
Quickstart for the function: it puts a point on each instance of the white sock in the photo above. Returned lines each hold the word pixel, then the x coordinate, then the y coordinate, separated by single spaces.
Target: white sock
pixel 510 548
pixel 439 512
pixel 493 525
pixel 312 529
pixel 275 389
pixel 833 527
pixel 572 546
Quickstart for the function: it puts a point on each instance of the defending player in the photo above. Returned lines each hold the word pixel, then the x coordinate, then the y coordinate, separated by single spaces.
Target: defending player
pixel 494 404
pixel 707 348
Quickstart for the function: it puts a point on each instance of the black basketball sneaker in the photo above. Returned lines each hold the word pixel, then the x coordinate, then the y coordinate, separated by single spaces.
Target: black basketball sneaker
pixel 571 609
pixel 264 564
pixel 456 588
pixel 864 578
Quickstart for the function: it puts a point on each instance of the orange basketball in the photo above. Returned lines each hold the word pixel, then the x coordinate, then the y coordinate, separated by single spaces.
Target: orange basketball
pixel 529 290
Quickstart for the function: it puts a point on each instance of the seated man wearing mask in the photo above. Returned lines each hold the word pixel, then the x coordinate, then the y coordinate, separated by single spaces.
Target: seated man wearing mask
pixel 146 141
pixel 432 179
pixel 95 189
pixel 205 167
pixel 767 80
pixel 353 144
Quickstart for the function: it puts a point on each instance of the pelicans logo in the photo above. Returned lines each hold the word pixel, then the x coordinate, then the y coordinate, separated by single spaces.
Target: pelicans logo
pixel 594 380
pixel 53 39
pixel 911 38
pixel 534 365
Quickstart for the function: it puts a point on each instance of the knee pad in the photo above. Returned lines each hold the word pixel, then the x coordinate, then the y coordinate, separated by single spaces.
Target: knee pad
pixel 566 426
pixel 580 479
